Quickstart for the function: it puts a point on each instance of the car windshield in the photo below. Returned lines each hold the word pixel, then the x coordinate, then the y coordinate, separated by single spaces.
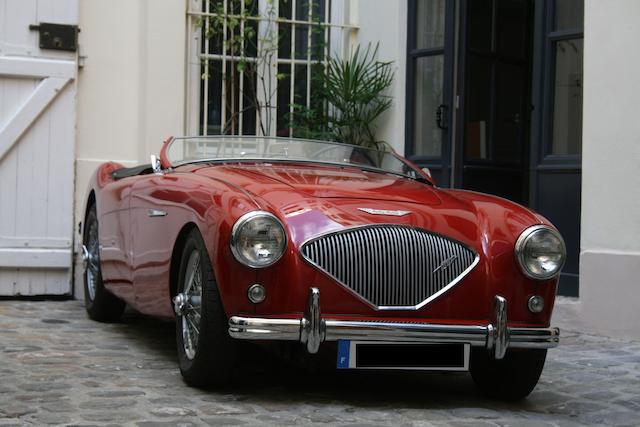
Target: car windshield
pixel 233 149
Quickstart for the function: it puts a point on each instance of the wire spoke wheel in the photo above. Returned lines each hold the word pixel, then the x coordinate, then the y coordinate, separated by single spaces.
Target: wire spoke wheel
pixel 190 313
pixel 101 304
pixel 92 260
pixel 206 352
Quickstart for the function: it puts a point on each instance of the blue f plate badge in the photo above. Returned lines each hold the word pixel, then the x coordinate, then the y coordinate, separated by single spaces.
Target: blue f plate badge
pixel 343 354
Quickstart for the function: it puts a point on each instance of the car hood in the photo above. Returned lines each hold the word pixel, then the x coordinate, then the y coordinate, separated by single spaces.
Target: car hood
pixel 324 182
pixel 313 200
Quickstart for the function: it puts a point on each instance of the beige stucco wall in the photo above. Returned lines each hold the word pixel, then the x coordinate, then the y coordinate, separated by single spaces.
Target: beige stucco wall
pixel 131 89
pixel 610 239
pixel 385 22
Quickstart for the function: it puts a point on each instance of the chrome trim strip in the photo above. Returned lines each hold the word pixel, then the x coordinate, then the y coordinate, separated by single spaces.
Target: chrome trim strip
pixel 153 213
pixel 373 211
pixel 313 330
pixel 254 328
pixel 533 337
pixel 374 277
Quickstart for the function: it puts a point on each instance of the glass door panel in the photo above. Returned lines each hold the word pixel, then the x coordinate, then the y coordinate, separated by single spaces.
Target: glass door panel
pixel 567 106
pixel 429 82
pixel 430 24
pixel 429 85
pixel 568 14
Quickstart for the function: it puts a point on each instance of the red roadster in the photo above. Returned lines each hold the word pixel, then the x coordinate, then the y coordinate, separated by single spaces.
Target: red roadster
pixel 328 246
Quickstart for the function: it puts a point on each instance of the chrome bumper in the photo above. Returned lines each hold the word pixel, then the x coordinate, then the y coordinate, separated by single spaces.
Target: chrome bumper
pixel 312 330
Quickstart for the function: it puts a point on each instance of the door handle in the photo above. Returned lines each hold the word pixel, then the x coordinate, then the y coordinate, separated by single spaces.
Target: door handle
pixel 155 212
pixel 441 116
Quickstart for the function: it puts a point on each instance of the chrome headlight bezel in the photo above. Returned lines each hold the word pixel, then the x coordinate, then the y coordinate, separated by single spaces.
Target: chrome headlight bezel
pixel 520 252
pixel 242 222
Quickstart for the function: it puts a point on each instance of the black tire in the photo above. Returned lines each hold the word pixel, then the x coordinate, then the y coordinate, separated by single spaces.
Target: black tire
pixel 512 378
pixel 211 361
pixel 101 304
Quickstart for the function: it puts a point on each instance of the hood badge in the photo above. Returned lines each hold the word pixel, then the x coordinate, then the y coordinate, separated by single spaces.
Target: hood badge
pixel 384 212
pixel 445 264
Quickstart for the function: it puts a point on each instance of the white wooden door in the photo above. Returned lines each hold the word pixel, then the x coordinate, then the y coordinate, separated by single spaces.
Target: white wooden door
pixel 37 141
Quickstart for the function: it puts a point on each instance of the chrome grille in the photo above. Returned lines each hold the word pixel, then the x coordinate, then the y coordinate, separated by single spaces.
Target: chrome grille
pixel 390 266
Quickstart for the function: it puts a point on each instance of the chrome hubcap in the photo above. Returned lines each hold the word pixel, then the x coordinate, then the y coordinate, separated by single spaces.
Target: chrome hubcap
pixel 91 259
pixel 187 305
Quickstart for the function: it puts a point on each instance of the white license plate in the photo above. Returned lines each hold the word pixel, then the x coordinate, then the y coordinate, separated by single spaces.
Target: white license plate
pixel 402 356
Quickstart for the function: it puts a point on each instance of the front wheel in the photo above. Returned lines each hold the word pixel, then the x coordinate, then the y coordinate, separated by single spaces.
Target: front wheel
pixel 511 378
pixel 206 352
pixel 101 305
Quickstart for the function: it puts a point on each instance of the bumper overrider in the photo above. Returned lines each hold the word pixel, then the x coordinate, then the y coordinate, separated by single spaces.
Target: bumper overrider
pixel 312 330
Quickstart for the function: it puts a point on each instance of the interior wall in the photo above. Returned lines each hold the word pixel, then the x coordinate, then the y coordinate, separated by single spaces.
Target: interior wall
pixel 131 87
pixel 610 238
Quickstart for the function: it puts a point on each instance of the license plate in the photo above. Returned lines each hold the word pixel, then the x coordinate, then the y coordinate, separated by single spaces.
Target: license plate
pixel 402 356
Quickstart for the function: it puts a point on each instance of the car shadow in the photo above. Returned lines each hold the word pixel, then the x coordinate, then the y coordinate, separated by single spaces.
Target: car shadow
pixel 158 336
pixel 264 378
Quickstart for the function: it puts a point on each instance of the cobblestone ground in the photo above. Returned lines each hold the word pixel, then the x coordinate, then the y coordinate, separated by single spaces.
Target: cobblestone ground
pixel 58 367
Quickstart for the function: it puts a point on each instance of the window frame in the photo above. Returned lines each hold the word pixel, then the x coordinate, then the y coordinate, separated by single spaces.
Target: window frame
pixel 551 39
pixel 198 63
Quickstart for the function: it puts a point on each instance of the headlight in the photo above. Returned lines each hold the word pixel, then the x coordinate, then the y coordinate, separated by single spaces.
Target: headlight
pixel 540 252
pixel 258 239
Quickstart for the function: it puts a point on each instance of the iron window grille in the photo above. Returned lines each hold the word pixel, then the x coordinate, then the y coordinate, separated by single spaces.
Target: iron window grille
pixel 222 97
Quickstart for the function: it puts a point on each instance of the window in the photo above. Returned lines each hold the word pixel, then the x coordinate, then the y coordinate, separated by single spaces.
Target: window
pixel 427 51
pixel 566 41
pixel 252 61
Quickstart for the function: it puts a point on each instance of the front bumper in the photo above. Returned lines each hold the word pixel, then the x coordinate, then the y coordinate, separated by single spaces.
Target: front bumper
pixel 312 330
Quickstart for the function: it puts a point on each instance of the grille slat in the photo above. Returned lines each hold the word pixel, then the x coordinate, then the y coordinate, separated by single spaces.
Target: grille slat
pixel 391 266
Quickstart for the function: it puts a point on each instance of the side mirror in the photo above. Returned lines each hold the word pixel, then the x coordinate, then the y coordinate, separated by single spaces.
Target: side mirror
pixel 427 172
pixel 155 164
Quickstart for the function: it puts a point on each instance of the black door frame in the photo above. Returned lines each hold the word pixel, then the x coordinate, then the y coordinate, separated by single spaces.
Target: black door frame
pixel 440 166
pixel 461 102
pixel 542 163
pixel 543 96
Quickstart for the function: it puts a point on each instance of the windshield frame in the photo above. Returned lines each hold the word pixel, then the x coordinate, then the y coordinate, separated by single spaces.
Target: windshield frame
pixel 418 174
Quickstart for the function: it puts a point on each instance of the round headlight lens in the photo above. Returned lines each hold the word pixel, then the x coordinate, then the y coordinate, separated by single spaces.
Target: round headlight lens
pixel 540 252
pixel 258 239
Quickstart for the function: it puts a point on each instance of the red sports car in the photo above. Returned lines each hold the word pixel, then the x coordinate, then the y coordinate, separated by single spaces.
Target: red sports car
pixel 333 248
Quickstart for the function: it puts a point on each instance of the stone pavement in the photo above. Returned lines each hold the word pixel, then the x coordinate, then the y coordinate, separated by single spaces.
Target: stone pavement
pixel 58 367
